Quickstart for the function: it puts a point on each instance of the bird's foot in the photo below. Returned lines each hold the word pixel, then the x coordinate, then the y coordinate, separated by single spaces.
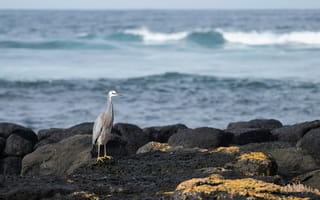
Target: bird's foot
pixel 107 157
pixel 99 159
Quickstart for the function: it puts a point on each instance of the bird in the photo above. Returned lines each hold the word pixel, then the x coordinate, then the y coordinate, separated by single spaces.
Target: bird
pixel 102 127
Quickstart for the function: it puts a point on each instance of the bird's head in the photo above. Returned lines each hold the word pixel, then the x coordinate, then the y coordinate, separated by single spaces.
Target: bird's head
pixel 112 93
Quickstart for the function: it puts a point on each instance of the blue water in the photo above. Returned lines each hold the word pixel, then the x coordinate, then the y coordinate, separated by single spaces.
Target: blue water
pixel 200 68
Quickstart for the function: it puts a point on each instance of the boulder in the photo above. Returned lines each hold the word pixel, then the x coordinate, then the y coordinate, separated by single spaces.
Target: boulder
pixel 2 144
pixel 311 179
pixel 256 123
pixel 216 186
pixel 294 132
pixel 250 135
pixel 293 161
pixel 254 164
pixel 6 129
pixel 131 135
pixel 163 133
pixel 54 135
pixel 200 137
pixel 18 146
pixel 10 165
pixel 58 158
pixel 154 146
pixel 311 143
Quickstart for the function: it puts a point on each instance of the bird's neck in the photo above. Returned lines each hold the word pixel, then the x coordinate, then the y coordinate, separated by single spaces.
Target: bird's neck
pixel 110 106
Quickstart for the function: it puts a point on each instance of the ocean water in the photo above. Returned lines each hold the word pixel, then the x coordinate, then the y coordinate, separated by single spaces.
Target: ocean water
pixel 200 68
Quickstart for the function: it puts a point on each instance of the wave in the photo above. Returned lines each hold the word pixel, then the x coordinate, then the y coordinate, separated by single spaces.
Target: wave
pixel 56 44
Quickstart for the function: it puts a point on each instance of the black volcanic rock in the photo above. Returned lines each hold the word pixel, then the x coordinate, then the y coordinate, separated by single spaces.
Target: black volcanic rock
pixel 10 165
pixel 311 143
pixel 6 129
pixel 131 135
pixel 311 179
pixel 2 144
pixel 17 146
pixel 250 135
pixel 163 133
pixel 200 137
pixel 256 123
pixel 294 132
pixel 54 135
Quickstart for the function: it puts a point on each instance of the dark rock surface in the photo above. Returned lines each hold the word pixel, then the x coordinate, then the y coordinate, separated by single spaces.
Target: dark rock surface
pixel 163 133
pixel 131 135
pixel 294 132
pixel 17 146
pixel 311 179
pixel 6 129
pixel 54 135
pixel 10 165
pixel 2 144
pixel 250 135
pixel 311 143
pixel 256 123
pixel 58 158
pixel 200 137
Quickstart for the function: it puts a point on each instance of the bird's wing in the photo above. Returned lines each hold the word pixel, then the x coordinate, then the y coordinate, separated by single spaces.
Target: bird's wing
pixel 97 128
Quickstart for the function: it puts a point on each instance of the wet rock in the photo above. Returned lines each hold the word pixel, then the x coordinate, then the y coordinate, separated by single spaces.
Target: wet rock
pixel 163 133
pixel 18 146
pixel 54 135
pixel 311 143
pixel 311 179
pixel 58 158
pixel 250 135
pixel 131 135
pixel 2 144
pixel 6 129
pixel 10 165
pixel 254 164
pixel 200 137
pixel 294 132
pixel 256 123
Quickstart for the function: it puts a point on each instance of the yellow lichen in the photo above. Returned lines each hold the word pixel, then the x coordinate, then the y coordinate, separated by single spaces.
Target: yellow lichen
pixel 253 156
pixel 244 187
pixel 91 196
pixel 232 149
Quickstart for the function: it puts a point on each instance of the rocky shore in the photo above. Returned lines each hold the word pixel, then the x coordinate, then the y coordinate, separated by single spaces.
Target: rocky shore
pixel 257 159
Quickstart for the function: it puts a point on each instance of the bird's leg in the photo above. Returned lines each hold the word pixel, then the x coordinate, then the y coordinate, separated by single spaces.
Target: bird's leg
pixel 105 153
pixel 99 158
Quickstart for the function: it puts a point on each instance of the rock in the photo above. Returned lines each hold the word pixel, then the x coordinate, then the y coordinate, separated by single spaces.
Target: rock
pixel 250 135
pixel 33 188
pixel 311 179
pixel 10 165
pixel 217 187
pixel 266 147
pixel 7 129
pixel 17 146
pixel 294 132
pixel 292 161
pixel 311 143
pixel 54 135
pixel 200 137
pixel 154 146
pixel 131 135
pixel 256 123
pixel 2 144
pixel 254 164
pixel 163 133
pixel 59 158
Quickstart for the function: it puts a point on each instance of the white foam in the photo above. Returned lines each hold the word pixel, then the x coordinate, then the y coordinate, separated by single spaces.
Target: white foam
pixel 156 37
pixel 271 38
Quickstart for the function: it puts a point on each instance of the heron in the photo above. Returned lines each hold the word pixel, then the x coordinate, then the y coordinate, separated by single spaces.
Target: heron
pixel 102 127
